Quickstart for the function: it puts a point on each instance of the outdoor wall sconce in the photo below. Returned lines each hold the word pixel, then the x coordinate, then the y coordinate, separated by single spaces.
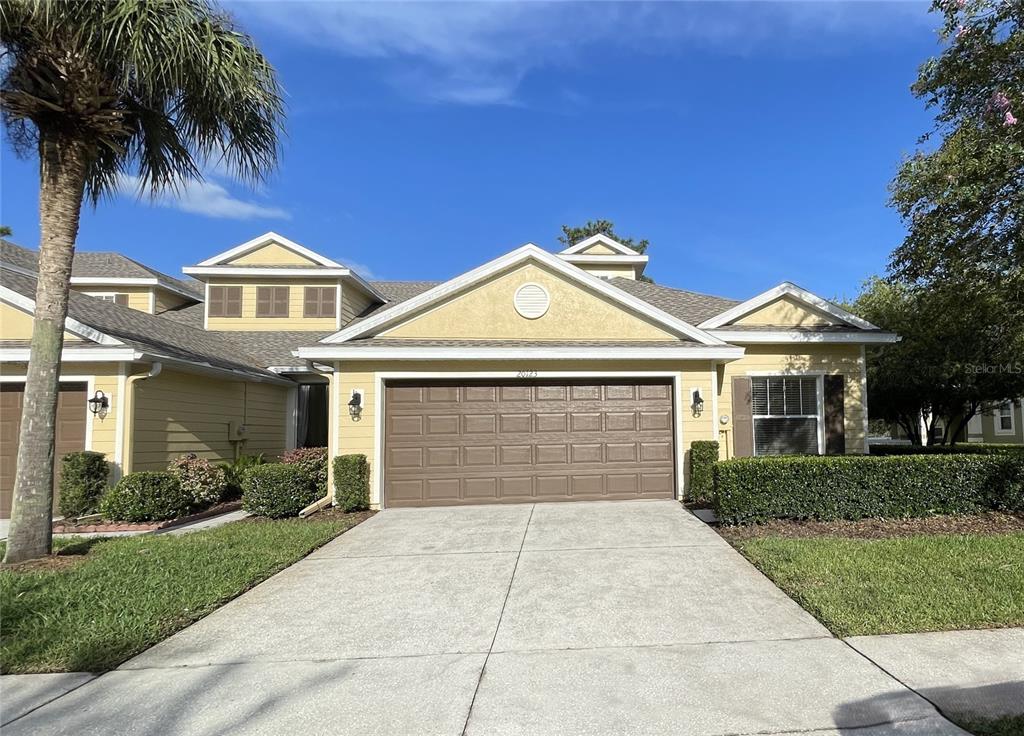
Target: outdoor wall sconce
pixel 697 404
pixel 99 404
pixel 355 405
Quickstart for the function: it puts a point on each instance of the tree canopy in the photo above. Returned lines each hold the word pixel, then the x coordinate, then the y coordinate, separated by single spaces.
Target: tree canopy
pixel 572 235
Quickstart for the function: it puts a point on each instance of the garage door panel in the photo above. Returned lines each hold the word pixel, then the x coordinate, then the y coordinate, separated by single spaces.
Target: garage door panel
pixel 487 442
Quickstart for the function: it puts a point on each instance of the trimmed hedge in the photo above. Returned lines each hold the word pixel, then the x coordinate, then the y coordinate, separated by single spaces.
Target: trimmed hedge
pixel 703 456
pixel 277 490
pixel 857 487
pixel 146 496
pixel 352 482
pixel 83 481
pixel 964 448
pixel 313 461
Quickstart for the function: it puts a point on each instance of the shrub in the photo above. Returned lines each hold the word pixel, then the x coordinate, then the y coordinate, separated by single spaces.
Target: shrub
pixel 852 487
pixel 83 479
pixel 966 448
pixel 351 482
pixel 234 473
pixel 703 456
pixel 276 490
pixel 313 461
pixel 146 496
pixel 204 482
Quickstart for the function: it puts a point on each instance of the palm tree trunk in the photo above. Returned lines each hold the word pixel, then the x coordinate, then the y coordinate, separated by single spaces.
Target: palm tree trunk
pixel 62 167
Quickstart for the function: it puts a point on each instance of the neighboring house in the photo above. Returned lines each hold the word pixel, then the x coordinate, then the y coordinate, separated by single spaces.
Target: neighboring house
pixel 1004 424
pixel 536 376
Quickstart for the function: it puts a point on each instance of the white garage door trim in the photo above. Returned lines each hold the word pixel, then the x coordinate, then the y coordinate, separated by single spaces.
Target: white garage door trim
pixel 377 476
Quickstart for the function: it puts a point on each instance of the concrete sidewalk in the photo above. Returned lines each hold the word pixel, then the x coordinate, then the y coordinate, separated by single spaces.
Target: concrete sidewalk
pixel 964 673
pixel 571 619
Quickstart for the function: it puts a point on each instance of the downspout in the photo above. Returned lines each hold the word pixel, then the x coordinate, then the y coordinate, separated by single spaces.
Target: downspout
pixel 129 413
pixel 332 438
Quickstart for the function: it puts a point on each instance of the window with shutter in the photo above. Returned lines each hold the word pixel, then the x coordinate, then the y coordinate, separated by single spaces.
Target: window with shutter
pixel 319 301
pixel 786 415
pixel 225 301
pixel 271 301
pixel 121 299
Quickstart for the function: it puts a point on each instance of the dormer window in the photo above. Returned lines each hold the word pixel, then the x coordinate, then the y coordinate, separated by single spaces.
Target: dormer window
pixel 225 301
pixel 320 301
pixel 272 301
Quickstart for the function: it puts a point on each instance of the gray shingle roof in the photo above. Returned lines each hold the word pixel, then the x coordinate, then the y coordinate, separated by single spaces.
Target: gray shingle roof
pixel 104 265
pixel 689 306
pixel 147 332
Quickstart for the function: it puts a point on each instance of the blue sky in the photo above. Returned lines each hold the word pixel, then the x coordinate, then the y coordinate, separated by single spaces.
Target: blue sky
pixel 750 142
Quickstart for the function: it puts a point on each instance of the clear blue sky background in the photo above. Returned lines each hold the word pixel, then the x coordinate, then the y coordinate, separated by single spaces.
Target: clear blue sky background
pixel 751 143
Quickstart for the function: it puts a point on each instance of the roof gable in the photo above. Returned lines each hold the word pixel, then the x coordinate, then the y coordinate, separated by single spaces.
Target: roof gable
pixel 599 244
pixel 787 301
pixel 263 250
pixel 555 267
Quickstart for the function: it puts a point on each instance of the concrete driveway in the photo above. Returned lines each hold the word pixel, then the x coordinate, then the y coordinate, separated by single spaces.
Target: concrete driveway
pixel 580 618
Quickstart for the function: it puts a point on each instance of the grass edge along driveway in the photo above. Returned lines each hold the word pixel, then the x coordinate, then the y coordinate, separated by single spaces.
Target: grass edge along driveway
pixel 111 598
pixel 900 585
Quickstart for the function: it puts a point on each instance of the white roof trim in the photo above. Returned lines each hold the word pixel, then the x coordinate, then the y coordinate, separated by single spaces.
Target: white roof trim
pixel 72 354
pixel 604 259
pixel 512 353
pixel 131 281
pixel 602 239
pixel 785 336
pixel 267 239
pixel 71 325
pixel 265 271
pixel 786 289
pixel 390 317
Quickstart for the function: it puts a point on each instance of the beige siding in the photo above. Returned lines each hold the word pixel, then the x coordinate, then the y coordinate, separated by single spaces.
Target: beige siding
pixel 166 300
pixel 787 312
pixel 608 271
pixel 272 255
pixel 353 303
pixel 842 360
pixel 176 413
pixel 599 249
pixel 294 321
pixel 486 312
pixel 139 297
pixel 17 325
pixel 359 436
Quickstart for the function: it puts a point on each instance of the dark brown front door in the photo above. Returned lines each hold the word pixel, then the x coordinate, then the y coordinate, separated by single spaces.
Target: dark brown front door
pixel 71 423
pixel 501 442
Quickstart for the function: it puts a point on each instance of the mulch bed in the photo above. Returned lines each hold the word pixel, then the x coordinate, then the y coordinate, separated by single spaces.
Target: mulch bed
pixel 63 527
pixel 332 512
pixel 992 522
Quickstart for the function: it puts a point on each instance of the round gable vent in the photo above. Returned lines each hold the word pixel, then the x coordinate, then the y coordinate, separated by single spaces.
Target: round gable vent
pixel 532 301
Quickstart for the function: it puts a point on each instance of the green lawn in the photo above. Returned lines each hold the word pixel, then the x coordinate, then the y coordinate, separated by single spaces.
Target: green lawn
pixel 1006 726
pixel 887 586
pixel 127 593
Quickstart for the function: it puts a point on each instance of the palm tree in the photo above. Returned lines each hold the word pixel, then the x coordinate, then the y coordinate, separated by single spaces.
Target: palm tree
pixel 100 89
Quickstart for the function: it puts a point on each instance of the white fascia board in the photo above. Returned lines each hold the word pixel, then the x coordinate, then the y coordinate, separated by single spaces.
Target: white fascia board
pixel 343 352
pixel 265 271
pixel 632 260
pixel 71 325
pixel 784 336
pixel 266 239
pixel 786 289
pixel 603 240
pixel 74 355
pixel 390 317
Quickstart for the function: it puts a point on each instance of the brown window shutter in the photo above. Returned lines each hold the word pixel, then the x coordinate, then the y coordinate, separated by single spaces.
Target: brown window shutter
pixel 216 306
pixel 742 418
pixel 281 301
pixel 233 301
pixel 264 301
pixel 328 299
pixel 121 299
pixel 311 302
pixel 835 416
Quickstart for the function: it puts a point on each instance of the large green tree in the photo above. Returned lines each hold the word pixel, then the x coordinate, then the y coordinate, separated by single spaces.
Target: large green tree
pixel 961 195
pixel 957 357
pixel 97 90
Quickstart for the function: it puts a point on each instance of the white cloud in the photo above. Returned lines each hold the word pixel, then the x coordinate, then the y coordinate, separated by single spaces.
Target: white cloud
pixel 479 52
pixel 204 197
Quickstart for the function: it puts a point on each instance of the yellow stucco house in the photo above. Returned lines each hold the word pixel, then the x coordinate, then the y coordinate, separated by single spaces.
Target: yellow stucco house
pixel 535 376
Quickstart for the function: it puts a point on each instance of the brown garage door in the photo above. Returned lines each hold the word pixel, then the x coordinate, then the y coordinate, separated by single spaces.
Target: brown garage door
pixel 448 443
pixel 71 419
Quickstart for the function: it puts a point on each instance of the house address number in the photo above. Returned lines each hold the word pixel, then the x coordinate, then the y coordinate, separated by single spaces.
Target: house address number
pixel 526 374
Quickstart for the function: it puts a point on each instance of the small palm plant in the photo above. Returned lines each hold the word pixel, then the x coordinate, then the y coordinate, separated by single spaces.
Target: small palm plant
pixel 98 90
